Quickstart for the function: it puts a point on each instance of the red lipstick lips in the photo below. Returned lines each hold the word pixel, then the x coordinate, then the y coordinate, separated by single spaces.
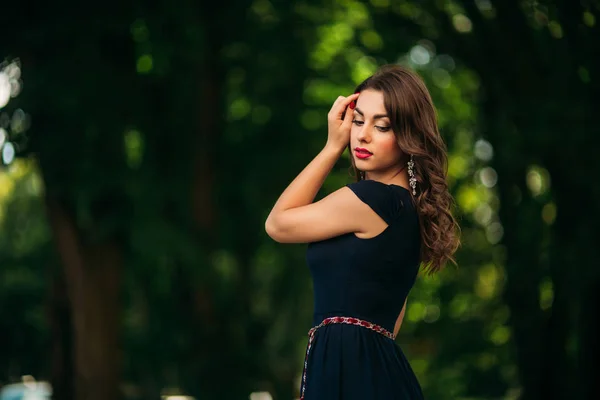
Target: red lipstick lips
pixel 362 153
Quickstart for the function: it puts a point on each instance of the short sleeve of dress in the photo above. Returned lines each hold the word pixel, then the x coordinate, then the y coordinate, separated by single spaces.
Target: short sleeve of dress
pixel 380 197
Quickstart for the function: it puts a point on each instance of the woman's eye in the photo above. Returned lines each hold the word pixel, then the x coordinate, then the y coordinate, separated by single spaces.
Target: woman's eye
pixel 382 128
pixel 357 122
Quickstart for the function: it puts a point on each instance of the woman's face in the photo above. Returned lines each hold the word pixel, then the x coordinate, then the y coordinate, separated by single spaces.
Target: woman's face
pixel 373 143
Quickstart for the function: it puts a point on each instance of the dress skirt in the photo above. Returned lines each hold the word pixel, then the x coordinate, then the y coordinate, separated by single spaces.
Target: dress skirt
pixel 348 362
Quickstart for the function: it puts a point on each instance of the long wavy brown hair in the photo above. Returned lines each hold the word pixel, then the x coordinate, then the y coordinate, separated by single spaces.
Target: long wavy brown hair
pixel 414 121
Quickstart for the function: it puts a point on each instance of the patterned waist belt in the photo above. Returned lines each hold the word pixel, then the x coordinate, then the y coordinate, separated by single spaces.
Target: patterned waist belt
pixel 338 320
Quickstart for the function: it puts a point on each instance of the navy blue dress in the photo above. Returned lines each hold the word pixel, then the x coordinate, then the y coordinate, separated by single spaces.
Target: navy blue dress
pixel 367 279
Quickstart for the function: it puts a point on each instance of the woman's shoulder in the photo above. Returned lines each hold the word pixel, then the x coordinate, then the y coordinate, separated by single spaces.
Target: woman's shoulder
pixel 385 199
pixel 375 189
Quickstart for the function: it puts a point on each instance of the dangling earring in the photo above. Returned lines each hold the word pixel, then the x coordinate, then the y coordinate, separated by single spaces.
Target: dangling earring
pixel 411 172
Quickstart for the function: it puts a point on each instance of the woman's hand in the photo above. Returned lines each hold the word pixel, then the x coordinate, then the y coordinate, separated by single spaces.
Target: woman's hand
pixel 338 135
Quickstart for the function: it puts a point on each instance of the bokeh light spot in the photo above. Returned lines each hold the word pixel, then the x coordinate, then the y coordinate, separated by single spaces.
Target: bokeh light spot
pixel 589 19
pixel 441 78
pixel 144 64
pixel 549 213
pixel 458 166
pixel 134 144
pixel 8 153
pixel 484 5
pixel 462 23
pixel 371 40
pixel 5 89
pixel 483 150
pixel 239 108
pixel 364 68
pixel 546 293
pixel 264 10
pixel 483 214
pixel 420 55
pixel 446 62
pixel 260 396
pixel 416 311
pixel 488 177
pixel 432 313
pixel 538 180
pixel 486 285
pixel 459 305
pixel 584 74
pixel 10 86
pixel 555 29
pixel 500 335
pixel 494 232
pixel 19 122
pixel 225 264
pixel 468 199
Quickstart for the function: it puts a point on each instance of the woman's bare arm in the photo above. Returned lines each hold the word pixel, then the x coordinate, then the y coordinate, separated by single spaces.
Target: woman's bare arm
pixel 400 319
pixel 295 218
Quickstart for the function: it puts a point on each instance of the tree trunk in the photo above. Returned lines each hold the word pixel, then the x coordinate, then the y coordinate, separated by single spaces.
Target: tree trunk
pixel 93 275
pixel 590 348
pixel 62 352
pixel 574 238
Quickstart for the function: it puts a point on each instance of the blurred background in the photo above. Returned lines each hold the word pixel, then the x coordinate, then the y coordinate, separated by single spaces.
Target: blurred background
pixel 144 142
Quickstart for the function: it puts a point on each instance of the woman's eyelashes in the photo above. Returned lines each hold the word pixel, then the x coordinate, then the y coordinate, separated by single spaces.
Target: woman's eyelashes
pixel 379 128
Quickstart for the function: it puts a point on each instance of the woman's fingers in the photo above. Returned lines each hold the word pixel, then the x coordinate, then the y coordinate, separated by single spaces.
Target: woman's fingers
pixel 346 102
pixel 348 117
pixel 335 112
pixel 340 105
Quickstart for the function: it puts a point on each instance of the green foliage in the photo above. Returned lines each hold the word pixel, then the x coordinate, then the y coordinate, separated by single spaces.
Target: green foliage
pixel 173 134
pixel 25 257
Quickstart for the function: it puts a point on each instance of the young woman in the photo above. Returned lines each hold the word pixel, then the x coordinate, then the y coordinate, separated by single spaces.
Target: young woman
pixel 368 239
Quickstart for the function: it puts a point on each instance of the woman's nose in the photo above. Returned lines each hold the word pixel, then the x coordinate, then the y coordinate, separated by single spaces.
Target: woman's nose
pixel 363 134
